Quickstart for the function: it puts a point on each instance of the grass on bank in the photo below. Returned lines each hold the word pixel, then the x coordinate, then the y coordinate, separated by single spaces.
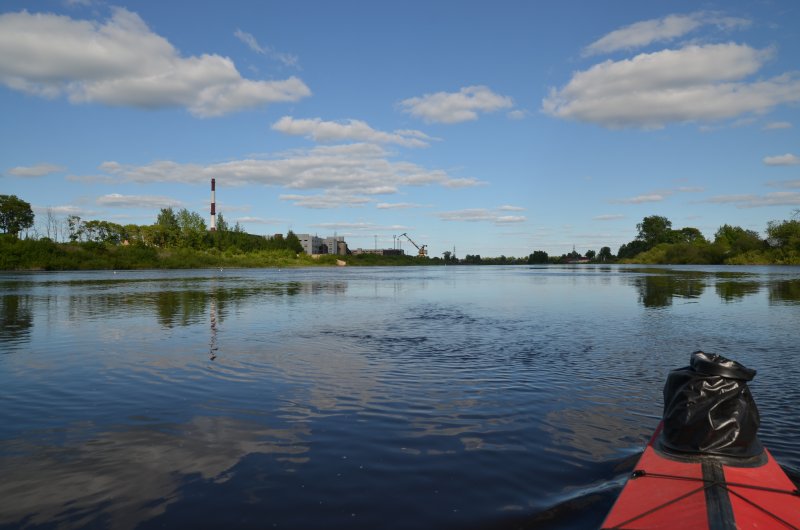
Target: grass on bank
pixel 711 254
pixel 47 255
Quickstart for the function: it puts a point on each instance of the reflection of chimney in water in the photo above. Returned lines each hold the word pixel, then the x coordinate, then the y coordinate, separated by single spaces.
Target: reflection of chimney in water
pixel 212 347
pixel 213 207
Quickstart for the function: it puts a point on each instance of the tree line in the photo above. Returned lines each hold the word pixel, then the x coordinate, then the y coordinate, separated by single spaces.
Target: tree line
pixel 171 229
pixel 656 240
pixel 177 239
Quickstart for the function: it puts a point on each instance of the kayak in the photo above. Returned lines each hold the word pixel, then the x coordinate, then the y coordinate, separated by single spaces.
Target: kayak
pixel 704 468
pixel 706 493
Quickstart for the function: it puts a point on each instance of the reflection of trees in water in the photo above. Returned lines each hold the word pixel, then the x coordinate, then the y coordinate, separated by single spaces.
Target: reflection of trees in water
pixel 16 317
pixel 186 307
pixel 180 308
pixel 784 291
pixel 731 291
pixel 659 290
pixel 180 302
pixel 659 286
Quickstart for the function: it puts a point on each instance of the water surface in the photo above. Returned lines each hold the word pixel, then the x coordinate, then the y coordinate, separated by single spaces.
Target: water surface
pixel 469 397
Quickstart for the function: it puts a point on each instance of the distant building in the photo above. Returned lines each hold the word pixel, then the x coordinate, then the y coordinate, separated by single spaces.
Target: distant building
pixel 317 245
pixel 334 245
pixel 311 244
pixel 380 251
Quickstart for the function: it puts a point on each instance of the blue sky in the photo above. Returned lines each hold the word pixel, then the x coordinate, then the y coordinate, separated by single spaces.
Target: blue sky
pixel 495 128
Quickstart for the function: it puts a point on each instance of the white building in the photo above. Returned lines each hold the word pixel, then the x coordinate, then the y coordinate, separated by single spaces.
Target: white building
pixel 317 245
pixel 311 244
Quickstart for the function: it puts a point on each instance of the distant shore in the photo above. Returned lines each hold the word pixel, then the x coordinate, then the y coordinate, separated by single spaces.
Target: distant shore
pixel 46 255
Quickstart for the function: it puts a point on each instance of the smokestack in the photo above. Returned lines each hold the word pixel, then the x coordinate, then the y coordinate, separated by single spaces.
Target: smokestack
pixel 213 207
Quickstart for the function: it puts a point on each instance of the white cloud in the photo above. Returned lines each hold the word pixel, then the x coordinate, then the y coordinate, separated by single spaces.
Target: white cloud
pixel 782 160
pixel 65 209
pixel 92 179
pixel 463 183
pixel 136 201
pixel 785 183
pixel 455 107
pixel 396 205
pixel 639 199
pixel 331 131
pixel 228 208
pixel 250 40
pixel 362 169
pixel 258 220
pixel 360 227
pixel 39 170
pixel 778 198
pixel 775 125
pixel 286 58
pixel 326 200
pixel 608 217
pixel 122 62
pixel 470 215
pixel 691 83
pixel 518 114
pixel 473 215
pixel 668 28
pixel 509 208
pixel 506 219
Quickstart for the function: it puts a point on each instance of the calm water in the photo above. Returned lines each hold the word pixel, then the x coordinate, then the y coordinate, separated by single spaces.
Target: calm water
pixel 468 397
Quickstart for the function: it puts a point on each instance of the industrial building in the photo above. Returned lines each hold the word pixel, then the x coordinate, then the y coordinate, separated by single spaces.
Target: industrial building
pixel 380 251
pixel 317 245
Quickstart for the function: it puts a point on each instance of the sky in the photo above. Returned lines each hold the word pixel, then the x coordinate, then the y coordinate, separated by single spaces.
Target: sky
pixel 491 128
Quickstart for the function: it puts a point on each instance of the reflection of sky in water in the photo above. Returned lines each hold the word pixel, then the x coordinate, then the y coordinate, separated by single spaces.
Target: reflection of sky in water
pixel 133 474
pixel 325 393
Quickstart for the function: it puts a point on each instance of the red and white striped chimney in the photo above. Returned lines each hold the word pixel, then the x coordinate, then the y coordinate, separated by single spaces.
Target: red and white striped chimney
pixel 213 207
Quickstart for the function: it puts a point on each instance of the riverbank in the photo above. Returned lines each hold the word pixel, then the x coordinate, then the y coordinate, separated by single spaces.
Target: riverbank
pixel 46 255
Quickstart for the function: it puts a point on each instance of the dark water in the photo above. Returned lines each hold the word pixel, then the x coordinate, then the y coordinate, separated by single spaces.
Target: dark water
pixel 458 397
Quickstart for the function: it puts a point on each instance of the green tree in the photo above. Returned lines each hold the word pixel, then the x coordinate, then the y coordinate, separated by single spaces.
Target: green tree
pixel 590 254
pixel 166 228
pixel 133 233
pixel 737 240
pixel 76 229
pixel 191 227
pixel 15 215
pixel 222 224
pixel 784 234
pixel 167 219
pixel 538 256
pixel 630 250
pixel 688 235
pixel 103 232
pixel 293 242
pixel 605 255
pixel 654 229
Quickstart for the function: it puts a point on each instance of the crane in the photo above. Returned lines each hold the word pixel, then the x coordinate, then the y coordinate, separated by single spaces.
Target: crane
pixel 422 250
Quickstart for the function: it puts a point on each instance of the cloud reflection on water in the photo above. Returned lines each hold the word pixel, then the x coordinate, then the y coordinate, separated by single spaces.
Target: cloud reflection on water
pixel 128 476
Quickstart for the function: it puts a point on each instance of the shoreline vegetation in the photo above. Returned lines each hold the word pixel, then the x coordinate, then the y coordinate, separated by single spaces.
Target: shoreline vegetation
pixel 180 240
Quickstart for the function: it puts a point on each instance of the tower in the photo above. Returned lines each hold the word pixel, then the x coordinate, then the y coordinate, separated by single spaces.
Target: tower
pixel 213 207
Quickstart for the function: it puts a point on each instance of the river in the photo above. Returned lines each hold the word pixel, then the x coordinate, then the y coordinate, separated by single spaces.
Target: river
pixel 393 398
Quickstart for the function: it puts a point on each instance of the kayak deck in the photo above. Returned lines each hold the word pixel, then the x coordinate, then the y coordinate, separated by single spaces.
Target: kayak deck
pixel 665 494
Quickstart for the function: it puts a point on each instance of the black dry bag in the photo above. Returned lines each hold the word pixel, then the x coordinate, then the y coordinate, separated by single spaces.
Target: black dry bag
pixel 708 409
